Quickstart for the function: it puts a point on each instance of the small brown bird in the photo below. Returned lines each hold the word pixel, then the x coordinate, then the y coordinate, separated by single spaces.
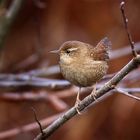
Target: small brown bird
pixel 82 64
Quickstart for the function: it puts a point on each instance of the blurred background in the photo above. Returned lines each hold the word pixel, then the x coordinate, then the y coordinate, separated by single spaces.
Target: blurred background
pixel 30 75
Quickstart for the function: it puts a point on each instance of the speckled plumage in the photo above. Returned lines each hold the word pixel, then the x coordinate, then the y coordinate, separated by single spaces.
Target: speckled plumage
pixel 84 75
pixel 82 64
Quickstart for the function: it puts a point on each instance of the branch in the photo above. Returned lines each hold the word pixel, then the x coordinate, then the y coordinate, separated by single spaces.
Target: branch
pixel 11 80
pixel 127 30
pixel 57 103
pixel 8 18
pixel 122 52
pixel 35 78
pixel 134 63
pixel 30 79
pixel 36 119
pixel 27 128
pixel 56 98
pixel 127 94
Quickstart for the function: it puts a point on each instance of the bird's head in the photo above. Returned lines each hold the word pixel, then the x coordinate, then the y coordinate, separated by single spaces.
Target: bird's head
pixel 70 51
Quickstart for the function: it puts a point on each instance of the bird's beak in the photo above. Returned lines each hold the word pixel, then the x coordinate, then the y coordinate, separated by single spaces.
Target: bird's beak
pixel 55 51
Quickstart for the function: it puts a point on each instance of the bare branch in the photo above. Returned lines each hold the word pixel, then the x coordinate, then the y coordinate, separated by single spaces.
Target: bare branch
pixel 35 77
pixel 36 119
pixel 29 127
pixel 134 63
pixel 32 78
pixel 122 4
pixel 122 52
pixel 56 98
pixel 127 94
pixel 55 101
pixel 32 59
pixel 8 18
pixel 24 80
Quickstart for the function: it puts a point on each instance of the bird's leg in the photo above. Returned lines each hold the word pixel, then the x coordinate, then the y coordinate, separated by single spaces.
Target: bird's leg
pixel 78 101
pixel 93 93
pixel 78 96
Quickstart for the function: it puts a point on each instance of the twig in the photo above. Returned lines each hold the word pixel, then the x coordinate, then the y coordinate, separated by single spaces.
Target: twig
pixel 57 103
pixel 122 52
pixel 8 18
pixel 122 4
pixel 28 127
pixel 48 71
pixel 133 77
pixel 127 94
pixel 27 80
pixel 32 59
pixel 36 119
pixel 19 80
pixel 33 77
pixel 134 63
pixel 56 98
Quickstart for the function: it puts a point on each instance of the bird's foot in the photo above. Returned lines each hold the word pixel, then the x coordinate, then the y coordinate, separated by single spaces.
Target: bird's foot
pixel 93 93
pixel 78 102
pixel 94 96
pixel 77 106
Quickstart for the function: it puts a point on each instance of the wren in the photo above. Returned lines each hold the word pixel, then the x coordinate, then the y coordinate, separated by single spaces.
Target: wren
pixel 82 64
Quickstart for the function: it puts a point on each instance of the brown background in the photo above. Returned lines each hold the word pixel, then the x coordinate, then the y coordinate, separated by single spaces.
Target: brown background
pixel 38 30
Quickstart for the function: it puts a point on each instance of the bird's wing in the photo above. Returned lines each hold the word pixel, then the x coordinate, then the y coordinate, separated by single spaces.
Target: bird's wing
pixel 100 52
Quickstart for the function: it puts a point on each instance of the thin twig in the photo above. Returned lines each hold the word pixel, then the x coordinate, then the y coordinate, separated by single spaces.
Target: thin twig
pixel 36 119
pixel 32 59
pixel 134 63
pixel 122 52
pixel 27 128
pixel 122 4
pixel 56 99
pixel 127 94
pixel 32 79
pixel 27 80
pixel 57 103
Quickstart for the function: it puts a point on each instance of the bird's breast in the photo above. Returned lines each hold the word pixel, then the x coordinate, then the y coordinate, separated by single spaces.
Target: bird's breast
pixel 84 74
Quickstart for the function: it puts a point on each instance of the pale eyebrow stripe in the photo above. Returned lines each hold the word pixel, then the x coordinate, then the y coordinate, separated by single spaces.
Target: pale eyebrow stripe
pixel 72 49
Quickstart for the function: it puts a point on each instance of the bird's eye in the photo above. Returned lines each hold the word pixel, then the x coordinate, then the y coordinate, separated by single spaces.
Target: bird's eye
pixel 67 51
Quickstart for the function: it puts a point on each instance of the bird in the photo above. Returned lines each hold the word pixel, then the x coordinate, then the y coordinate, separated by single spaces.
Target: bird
pixel 83 65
